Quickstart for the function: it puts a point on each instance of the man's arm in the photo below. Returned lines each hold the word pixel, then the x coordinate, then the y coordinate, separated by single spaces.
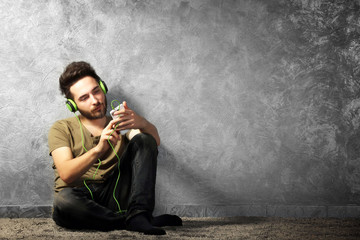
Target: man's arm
pixel 70 168
pixel 152 130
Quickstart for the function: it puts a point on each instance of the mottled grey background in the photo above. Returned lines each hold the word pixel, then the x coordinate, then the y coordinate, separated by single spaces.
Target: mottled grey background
pixel 256 102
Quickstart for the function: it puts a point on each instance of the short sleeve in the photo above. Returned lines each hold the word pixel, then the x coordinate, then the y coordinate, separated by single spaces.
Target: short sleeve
pixel 130 134
pixel 59 136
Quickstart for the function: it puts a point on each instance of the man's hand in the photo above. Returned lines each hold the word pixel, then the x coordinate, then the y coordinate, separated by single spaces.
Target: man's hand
pixel 128 119
pixel 107 134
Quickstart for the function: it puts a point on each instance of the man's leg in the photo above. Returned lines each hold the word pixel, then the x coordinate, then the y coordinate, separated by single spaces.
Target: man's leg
pixel 144 153
pixel 74 209
pixel 135 188
pixel 138 169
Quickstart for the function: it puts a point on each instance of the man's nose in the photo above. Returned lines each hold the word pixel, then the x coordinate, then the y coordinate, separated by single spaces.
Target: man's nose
pixel 94 100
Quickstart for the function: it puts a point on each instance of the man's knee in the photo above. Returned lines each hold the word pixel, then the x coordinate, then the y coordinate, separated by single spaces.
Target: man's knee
pixel 145 140
pixel 68 209
pixel 63 199
pixel 67 200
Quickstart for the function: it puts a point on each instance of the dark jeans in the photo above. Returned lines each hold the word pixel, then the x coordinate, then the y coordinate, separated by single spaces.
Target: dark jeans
pixel 74 208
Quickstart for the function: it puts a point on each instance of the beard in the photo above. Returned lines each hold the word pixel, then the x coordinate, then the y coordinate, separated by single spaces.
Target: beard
pixel 92 115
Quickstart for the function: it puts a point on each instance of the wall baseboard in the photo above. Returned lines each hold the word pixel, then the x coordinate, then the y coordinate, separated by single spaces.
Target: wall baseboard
pixel 263 210
pixel 25 211
pixel 252 210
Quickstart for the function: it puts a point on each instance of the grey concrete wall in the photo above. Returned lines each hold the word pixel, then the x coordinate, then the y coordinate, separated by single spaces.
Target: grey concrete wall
pixel 256 102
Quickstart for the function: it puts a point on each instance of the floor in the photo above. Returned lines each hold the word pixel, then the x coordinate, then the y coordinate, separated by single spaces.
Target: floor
pixel 196 228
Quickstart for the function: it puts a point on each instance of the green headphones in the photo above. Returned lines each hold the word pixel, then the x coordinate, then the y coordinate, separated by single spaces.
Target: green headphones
pixel 71 105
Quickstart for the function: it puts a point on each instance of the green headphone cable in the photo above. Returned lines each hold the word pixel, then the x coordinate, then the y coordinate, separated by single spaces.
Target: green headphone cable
pixel 118 165
pixel 118 178
pixel 83 145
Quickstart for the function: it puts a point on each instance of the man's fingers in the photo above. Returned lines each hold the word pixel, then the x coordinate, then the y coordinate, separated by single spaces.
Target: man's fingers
pixel 119 122
pixel 113 139
pixel 111 124
pixel 114 134
pixel 125 105
pixel 125 124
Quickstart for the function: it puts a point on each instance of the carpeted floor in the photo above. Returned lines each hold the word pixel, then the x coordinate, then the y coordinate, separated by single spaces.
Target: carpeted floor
pixel 196 228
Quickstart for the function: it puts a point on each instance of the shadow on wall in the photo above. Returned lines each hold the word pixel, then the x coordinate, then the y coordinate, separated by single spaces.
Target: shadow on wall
pixel 178 183
pixel 181 183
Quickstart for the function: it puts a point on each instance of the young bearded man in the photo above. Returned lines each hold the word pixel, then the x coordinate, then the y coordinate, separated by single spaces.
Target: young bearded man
pixel 103 180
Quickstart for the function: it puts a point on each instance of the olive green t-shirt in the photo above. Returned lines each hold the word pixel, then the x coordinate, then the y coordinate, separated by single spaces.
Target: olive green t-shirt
pixel 67 133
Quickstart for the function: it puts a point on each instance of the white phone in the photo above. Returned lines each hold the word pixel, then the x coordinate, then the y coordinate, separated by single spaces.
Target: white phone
pixel 120 107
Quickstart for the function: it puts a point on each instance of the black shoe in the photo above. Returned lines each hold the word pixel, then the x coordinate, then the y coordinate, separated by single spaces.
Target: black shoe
pixel 140 223
pixel 166 220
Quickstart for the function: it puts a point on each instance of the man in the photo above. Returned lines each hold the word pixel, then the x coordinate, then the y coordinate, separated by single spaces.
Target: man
pixel 103 180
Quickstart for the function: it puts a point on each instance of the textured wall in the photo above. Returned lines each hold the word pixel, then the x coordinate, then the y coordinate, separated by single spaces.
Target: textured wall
pixel 256 102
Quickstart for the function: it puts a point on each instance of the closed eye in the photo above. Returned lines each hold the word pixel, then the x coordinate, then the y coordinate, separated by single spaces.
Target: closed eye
pixel 96 90
pixel 83 98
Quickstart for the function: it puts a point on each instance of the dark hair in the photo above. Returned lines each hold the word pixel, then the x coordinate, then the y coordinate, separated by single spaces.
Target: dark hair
pixel 74 72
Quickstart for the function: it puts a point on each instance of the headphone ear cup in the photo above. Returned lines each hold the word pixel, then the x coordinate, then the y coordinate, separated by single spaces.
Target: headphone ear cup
pixel 103 86
pixel 71 105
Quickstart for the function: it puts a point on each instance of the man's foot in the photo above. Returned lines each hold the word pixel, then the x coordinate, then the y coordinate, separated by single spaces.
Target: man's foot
pixel 140 223
pixel 166 220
